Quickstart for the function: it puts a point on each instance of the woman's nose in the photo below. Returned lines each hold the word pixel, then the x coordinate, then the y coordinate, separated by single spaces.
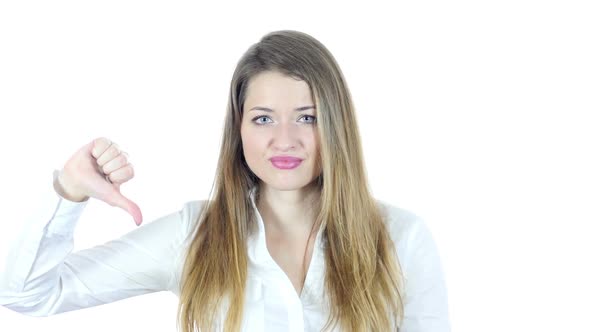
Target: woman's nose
pixel 285 136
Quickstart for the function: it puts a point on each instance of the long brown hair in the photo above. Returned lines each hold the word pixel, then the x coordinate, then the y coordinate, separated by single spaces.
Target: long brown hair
pixel 363 279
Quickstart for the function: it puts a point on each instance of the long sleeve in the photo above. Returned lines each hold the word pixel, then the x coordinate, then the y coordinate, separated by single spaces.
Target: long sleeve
pixel 44 277
pixel 425 299
pixel 426 303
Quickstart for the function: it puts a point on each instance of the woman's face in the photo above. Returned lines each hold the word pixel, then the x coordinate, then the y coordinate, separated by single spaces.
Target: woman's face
pixel 279 131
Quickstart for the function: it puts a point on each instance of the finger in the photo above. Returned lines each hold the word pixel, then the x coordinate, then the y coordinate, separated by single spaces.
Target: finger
pixel 118 162
pixel 117 199
pixel 122 174
pixel 99 146
pixel 109 154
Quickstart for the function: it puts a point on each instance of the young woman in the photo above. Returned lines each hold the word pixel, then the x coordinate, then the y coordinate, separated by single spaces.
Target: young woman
pixel 290 240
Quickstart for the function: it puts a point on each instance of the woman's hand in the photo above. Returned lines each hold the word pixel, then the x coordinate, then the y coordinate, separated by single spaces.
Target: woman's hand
pixel 97 170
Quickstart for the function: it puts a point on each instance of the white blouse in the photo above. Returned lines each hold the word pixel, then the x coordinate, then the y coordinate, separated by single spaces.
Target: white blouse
pixel 44 277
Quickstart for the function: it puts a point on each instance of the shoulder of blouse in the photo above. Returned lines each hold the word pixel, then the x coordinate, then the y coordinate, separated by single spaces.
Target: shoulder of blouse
pixel 407 229
pixel 190 216
pixel 400 222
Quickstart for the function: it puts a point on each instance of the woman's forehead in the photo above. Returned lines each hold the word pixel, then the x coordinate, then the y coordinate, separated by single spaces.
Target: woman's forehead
pixel 272 87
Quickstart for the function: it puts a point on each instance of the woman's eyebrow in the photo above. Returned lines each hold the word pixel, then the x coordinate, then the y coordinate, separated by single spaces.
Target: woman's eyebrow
pixel 266 109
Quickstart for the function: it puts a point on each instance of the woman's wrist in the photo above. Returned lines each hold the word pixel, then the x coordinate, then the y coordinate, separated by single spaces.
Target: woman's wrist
pixel 66 192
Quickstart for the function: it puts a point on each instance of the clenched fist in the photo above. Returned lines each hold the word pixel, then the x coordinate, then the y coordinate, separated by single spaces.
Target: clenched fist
pixel 97 170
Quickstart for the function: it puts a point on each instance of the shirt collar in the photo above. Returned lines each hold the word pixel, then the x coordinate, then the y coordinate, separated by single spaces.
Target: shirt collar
pixel 257 250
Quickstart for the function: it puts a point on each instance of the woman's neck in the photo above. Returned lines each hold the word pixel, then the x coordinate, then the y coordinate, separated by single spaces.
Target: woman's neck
pixel 289 211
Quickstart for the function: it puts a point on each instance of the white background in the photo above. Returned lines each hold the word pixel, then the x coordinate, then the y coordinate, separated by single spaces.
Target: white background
pixel 473 115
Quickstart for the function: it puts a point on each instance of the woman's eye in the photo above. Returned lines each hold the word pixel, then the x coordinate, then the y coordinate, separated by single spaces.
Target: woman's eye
pixel 309 118
pixel 256 120
pixel 263 119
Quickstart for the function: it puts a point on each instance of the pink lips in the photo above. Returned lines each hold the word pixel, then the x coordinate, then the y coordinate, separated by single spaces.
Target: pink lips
pixel 285 162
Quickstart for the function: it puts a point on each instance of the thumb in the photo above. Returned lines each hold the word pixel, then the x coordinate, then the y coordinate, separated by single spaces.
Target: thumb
pixel 117 199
